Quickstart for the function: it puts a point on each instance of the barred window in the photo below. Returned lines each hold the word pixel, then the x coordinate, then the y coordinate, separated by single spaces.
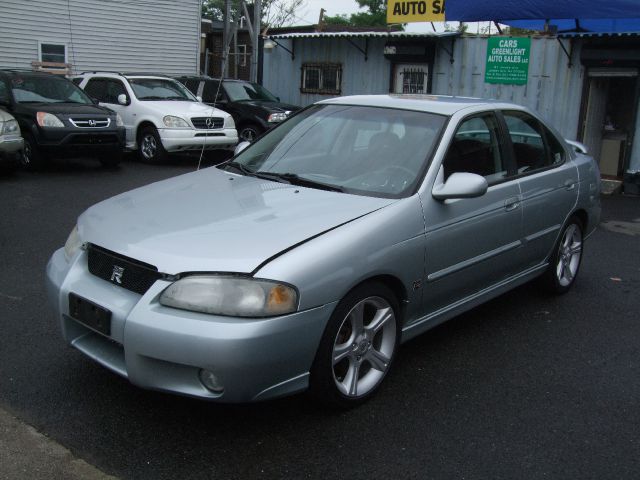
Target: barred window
pixel 325 78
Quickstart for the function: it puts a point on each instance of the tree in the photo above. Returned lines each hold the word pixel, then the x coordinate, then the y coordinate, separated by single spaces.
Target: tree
pixel 376 16
pixel 275 13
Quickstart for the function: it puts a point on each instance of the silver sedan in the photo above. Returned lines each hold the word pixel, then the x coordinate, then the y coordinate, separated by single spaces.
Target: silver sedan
pixel 308 258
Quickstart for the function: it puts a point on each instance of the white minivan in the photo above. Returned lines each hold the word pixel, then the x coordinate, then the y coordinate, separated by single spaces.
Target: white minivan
pixel 160 115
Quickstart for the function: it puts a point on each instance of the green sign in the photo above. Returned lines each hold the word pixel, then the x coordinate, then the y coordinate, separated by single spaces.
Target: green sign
pixel 507 60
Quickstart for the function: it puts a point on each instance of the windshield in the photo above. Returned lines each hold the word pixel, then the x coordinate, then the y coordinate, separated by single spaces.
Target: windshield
pixel 160 89
pixel 239 91
pixel 46 89
pixel 372 151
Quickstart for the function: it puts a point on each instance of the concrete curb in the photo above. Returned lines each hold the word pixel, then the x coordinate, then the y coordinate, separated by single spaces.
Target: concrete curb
pixel 26 453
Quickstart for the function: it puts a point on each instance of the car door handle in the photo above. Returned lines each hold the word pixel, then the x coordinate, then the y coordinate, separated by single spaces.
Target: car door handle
pixel 569 184
pixel 511 203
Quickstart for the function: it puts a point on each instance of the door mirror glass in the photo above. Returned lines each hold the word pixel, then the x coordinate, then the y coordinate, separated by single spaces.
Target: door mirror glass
pixel 240 147
pixel 461 185
pixel 123 99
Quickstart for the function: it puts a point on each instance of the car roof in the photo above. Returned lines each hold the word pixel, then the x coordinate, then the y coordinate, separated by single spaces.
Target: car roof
pixel 439 104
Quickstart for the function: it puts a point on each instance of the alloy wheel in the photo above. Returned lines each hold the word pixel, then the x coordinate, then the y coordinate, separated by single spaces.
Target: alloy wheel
pixel 364 346
pixel 149 147
pixel 569 254
pixel 248 134
pixel 27 154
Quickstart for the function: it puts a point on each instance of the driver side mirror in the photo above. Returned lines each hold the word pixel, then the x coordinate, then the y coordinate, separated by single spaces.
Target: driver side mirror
pixel 199 98
pixel 461 185
pixel 240 147
pixel 123 99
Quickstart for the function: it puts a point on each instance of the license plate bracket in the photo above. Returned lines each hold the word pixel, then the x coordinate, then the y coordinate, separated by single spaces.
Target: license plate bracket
pixel 90 314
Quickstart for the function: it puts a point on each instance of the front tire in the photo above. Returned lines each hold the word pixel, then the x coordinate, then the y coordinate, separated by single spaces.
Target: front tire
pixel 357 348
pixel 31 157
pixel 150 146
pixel 566 259
pixel 249 132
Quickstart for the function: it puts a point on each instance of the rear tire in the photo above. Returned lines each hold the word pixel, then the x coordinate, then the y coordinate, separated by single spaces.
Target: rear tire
pixel 565 261
pixel 357 348
pixel 31 157
pixel 150 146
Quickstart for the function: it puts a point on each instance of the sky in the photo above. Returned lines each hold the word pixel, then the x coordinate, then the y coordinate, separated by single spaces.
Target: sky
pixel 310 13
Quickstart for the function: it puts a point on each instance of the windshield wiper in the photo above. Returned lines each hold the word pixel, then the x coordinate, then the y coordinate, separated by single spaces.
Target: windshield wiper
pixel 295 179
pixel 239 167
pixel 151 97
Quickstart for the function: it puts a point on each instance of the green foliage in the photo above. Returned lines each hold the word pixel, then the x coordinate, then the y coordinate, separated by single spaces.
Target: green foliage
pixel 376 16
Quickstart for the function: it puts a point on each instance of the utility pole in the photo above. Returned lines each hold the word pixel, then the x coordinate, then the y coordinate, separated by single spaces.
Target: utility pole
pixel 226 39
pixel 255 53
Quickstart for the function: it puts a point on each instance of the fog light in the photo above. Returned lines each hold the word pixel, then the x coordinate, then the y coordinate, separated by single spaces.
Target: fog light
pixel 211 382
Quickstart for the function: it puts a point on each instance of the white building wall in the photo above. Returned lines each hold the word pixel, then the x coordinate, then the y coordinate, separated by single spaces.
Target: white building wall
pixel 159 36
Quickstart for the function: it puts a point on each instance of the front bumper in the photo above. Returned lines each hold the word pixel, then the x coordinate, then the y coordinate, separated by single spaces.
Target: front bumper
pixel 177 140
pixel 162 348
pixel 74 141
pixel 10 145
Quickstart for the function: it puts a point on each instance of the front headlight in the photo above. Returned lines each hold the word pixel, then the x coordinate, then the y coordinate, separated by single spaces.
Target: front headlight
pixel 10 126
pixel 229 123
pixel 119 122
pixel 231 296
pixel 48 120
pixel 277 117
pixel 73 244
pixel 175 122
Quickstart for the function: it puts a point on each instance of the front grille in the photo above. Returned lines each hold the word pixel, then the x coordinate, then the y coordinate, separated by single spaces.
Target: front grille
pixel 102 122
pixel 120 270
pixel 88 139
pixel 208 122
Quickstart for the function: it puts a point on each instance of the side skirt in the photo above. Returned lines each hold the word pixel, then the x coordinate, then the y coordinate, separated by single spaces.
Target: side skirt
pixel 436 318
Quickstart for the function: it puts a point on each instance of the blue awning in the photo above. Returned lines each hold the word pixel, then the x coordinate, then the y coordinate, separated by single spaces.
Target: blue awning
pixel 568 15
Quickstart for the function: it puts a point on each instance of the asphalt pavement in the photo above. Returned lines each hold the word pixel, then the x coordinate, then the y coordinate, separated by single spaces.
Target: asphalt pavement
pixel 525 386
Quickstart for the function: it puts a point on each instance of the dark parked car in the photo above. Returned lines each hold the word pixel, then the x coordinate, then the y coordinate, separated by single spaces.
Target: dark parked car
pixel 58 118
pixel 253 108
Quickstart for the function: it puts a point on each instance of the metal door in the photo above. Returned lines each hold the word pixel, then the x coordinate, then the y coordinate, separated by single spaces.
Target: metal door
pixel 411 78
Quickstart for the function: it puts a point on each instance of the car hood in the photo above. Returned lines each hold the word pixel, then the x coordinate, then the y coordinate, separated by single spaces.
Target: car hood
pixel 271 106
pixel 216 221
pixel 183 109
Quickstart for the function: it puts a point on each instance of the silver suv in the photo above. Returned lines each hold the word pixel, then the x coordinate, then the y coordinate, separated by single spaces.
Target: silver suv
pixel 160 115
pixel 10 139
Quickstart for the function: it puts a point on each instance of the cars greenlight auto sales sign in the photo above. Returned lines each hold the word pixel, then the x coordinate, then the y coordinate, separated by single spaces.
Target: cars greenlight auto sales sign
pixel 508 60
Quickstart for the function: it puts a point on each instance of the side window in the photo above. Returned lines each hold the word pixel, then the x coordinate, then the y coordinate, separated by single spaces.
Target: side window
pixel 531 148
pixel 475 148
pixel 95 88
pixel 192 84
pixel 4 92
pixel 209 92
pixel 113 88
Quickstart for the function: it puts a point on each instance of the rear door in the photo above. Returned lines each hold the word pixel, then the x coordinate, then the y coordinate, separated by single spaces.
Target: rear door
pixel 548 181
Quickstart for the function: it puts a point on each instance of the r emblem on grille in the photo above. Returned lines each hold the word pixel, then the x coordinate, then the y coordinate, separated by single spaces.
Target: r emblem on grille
pixel 116 274
pixel 210 123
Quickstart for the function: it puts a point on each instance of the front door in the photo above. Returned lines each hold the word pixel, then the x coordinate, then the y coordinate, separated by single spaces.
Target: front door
pixel 473 243
pixel 411 78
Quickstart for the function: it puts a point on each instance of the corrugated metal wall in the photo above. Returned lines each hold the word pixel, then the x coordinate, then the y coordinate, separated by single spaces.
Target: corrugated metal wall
pixel 282 76
pixel 553 89
pixel 160 36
